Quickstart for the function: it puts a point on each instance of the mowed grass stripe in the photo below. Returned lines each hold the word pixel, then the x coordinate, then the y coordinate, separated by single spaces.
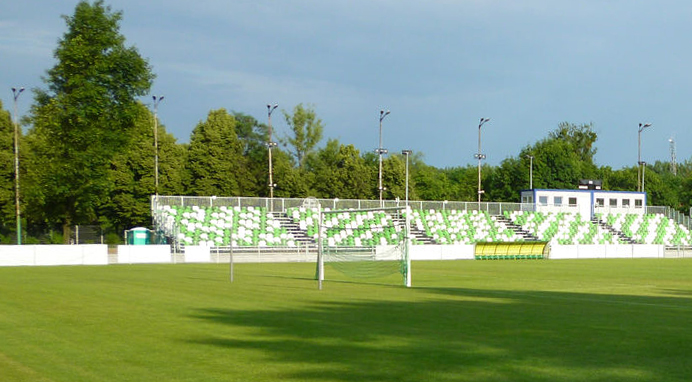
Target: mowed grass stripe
pixel 585 320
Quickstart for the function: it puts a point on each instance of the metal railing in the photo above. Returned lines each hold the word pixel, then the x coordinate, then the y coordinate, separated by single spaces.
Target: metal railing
pixel 281 204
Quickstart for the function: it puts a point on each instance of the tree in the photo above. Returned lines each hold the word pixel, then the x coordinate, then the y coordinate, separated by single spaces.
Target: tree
pixel 504 183
pixel 340 172
pixel 582 138
pixel 85 116
pixel 252 135
pixel 132 175
pixel 306 131
pixel 291 182
pixel 394 177
pixel 431 183
pixel 215 158
pixel 7 202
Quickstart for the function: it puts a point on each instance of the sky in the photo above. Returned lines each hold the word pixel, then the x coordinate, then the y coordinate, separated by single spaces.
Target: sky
pixel 437 65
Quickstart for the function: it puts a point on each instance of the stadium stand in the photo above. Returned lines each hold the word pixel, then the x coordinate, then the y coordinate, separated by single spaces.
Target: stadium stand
pixel 254 226
pixel 648 228
pixel 563 228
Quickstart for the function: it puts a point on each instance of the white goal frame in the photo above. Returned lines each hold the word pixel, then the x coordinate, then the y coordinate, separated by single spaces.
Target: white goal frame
pixel 406 210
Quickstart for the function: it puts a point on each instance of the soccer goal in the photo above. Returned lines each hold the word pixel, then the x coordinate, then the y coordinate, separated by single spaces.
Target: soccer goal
pixel 364 243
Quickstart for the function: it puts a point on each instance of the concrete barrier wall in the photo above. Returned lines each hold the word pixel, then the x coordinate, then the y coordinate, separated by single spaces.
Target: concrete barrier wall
pixel 611 251
pixel 197 254
pixel 144 254
pixel 441 252
pixel 97 254
pixel 83 254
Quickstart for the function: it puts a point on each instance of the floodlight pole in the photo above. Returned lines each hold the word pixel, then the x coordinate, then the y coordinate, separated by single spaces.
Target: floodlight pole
pixel 320 249
pixel 640 185
pixel 406 153
pixel 381 151
pixel 643 164
pixel 530 171
pixel 15 93
pixel 270 145
pixel 480 156
pixel 157 100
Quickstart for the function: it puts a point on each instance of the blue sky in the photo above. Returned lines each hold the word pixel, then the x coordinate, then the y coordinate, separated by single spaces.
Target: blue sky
pixel 438 65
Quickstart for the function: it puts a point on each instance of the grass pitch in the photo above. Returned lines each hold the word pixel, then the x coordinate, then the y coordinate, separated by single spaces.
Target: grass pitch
pixel 582 320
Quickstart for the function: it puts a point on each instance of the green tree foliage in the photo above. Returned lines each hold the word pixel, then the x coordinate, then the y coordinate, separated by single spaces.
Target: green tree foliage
pixel 581 138
pixel 216 163
pixel 7 202
pixel 686 194
pixel 85 116
pixel 132 175
pixel 340 172
pixel 252 135
pixel 504 183
pixel 306 132
pixel 431 183
pixel 291 182
pixel 559 162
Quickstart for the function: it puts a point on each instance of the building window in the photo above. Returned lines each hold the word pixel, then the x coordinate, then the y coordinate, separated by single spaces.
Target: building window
pixel 600 202
pixel 543 200
pixel 638 203
pixel 557 200
pixel 572 202
pixel 613 203
pixel 625 203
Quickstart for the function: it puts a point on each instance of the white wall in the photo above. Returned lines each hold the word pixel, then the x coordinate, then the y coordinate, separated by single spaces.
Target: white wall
pixel 97 254
pixel 441 252
pixel 139 254
pixel 597 251
pixel 83 254
pixel 197 254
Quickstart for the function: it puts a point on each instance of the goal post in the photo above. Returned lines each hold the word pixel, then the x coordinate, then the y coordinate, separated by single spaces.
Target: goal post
pixel 364 243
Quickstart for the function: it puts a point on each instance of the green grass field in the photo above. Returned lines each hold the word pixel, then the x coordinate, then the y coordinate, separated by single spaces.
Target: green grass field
pixel 582 320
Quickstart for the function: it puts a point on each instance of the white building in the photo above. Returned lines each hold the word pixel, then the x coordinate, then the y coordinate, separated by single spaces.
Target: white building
pixel 586 202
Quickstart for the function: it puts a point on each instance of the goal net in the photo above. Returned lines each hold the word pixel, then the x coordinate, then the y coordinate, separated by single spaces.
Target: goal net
pixel 364 243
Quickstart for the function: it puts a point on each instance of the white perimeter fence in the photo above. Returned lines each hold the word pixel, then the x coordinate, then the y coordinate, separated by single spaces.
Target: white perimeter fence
pixel 97 254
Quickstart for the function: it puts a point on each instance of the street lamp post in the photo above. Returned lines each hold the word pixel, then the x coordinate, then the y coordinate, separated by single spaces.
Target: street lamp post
pixel 381 151
pixel 480 157
pixel 640 182
pixel 530 171
pixel 270 145
pixel 406 153
pixel 157 100
pixel 15 93
pixel 643 164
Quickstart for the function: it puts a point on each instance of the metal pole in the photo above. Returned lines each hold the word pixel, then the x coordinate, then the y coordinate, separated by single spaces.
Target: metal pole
pixel 642 126
pixel 407 153
pixel 643 164
pixel 381 151
pixel 270 145
pixel 480 157
pixel 408 227
pixel 15 93
pixel 157 100
pixel 320 249
pixel 530 172
pixel 639 159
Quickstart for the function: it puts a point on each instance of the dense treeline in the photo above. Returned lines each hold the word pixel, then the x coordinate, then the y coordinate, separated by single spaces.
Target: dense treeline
pixel 88 155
